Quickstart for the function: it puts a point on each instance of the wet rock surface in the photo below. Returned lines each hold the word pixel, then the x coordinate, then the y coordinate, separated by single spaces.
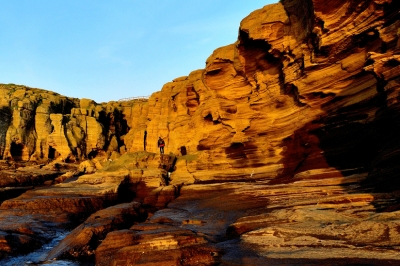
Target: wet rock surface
pixel 89 203
pixel 82 242
pixel 38 214
pixel 260 224
pixel 25 174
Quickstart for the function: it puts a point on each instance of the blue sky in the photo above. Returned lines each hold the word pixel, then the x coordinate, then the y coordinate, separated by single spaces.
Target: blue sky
pixel 108 50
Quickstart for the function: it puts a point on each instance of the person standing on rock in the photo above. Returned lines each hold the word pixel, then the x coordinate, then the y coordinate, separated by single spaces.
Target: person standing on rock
pixel 161 144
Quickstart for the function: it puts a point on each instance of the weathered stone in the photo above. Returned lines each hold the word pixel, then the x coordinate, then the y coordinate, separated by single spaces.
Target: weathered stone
pixel 40 212
pixel 162 245
pixel 84 239
pixel 284 149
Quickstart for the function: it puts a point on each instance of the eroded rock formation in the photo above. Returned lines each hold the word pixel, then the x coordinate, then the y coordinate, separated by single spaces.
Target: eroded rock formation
pixel 38 125
pixel 284 149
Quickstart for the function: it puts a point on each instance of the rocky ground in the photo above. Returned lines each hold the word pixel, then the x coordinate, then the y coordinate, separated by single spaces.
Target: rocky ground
pixel 42 200
pixel 317 217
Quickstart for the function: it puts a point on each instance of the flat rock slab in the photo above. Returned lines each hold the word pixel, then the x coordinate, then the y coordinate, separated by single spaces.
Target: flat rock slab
pixel 257 223
pixel 85 238
pixel 37 215
pixel 150 244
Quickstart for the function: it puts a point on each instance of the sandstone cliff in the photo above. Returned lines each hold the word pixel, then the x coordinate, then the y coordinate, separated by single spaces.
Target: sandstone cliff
pixel 38 125
pixel 307 85
pixel 284 147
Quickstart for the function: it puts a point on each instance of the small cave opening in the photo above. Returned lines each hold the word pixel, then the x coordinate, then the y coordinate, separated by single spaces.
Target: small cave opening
pixel 231 110
pixel 367 39
pixel 93 154
pixel 17 151
pixel 52 153
pixel 208 118
pixel 236 151
pixel 183 150
pixel 392 63
pixel 213 71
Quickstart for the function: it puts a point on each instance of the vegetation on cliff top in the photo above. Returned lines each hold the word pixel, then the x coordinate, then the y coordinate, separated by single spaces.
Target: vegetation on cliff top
pixel 128 161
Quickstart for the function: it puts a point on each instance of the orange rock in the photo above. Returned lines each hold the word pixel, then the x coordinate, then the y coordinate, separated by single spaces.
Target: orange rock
pixel 287 142
pixel 163 246
pixel 84 239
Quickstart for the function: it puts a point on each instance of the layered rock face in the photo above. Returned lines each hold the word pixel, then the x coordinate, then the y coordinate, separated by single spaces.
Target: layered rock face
pixel 40 201
pixel 283 150
pixel 296 69
pixel 307 85
pixel 38 125
pixel 305 103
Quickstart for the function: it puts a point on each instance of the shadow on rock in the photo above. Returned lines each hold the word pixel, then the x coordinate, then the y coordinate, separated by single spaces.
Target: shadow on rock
pixel 360 139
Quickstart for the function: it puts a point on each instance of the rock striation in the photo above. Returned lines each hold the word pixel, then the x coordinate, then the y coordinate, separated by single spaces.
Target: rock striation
pixel 38 125
pixel 283 150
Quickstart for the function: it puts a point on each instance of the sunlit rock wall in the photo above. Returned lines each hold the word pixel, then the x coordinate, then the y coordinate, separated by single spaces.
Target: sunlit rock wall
pixel 307 85
pixel 297 90
pixel 39 125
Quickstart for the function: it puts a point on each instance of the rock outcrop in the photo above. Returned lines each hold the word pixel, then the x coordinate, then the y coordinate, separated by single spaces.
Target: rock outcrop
pixel 37 215
pixel 84 239
pixel 38 125
pixel 305 104
pixel 284 149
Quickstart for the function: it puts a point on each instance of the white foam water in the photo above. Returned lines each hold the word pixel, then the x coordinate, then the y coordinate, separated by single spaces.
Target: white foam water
pixel 38 256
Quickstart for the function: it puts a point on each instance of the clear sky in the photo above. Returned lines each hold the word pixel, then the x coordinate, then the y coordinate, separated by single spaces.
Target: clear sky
pixel 107 50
